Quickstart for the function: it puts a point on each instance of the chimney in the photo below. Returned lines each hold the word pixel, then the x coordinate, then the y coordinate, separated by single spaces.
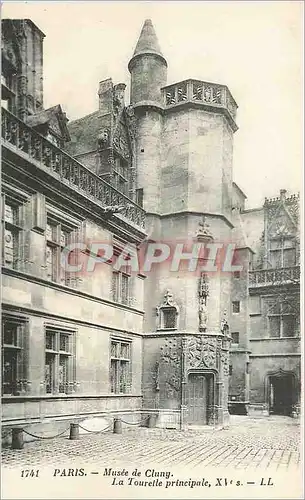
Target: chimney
pixel 105 94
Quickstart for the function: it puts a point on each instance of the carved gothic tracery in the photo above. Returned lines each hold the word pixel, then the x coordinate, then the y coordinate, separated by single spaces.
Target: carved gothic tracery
pixel 200 352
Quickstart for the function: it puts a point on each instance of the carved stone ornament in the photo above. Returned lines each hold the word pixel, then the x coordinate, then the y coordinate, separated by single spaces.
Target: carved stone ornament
pixel 201 352
pixel 170 367
pixel 203 232
pixel 203 315
pixel 168 299
pixel 209 354
pixel 203 286
pixel 203 293
pixel 103 139
pixel 224 325
pixel 171 351
pixel 225 362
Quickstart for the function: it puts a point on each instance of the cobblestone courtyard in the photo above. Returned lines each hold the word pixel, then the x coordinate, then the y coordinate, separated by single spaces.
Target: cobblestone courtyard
pixel 271 443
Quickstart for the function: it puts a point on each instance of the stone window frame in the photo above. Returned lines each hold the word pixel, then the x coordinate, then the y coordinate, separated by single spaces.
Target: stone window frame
pixel 70 227
pixel 19 347
pixel 120 170
pixel 167 305
pixel 236 306
pixel 117 361
pixel 281 249
pixel 124 272
pixel 232 335
pixel 57 355
pixel 118 278
pixel 279 314
pixel 14 226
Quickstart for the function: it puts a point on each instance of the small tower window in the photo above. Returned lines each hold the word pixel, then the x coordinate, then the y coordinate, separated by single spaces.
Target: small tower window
pixel 167 313
pixel 169 317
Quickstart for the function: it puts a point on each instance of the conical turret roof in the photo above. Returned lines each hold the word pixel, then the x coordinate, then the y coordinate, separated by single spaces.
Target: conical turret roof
pixel 148 41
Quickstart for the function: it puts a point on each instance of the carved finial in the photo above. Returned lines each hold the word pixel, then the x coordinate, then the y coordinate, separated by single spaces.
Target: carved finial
pixel 203 232
pixel 168 298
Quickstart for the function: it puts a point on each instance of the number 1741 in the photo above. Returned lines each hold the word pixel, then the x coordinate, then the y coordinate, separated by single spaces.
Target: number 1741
pixel 30 473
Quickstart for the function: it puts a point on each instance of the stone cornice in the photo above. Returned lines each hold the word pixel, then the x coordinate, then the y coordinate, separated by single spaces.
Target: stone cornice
pixel 65 289
pixel 191 212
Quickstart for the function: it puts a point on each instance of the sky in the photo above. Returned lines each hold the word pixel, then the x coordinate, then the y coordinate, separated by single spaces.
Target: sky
pixel 254 47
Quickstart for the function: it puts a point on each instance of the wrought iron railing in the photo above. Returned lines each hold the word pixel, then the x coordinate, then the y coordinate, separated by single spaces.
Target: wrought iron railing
pixel 279 276
pixel 208 93
pixel 67 169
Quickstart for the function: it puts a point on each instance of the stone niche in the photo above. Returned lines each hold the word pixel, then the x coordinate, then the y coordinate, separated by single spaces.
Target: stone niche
pixel 191 380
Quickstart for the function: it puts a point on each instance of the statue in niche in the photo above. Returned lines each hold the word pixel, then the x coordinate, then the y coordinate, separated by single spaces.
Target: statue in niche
pixel 203 315
pixel 224 325
pixel 203 296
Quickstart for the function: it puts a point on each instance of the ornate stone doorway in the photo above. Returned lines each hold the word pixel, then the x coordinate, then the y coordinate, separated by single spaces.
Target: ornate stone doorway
pixel 199 397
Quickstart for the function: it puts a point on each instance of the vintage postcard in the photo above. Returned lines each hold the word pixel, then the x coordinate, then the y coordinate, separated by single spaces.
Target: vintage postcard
pixel 151 241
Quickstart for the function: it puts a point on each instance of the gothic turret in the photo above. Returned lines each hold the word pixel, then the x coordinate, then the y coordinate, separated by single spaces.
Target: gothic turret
pixel 148 69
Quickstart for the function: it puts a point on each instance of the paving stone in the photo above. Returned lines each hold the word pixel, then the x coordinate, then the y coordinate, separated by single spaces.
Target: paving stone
pixel 248 443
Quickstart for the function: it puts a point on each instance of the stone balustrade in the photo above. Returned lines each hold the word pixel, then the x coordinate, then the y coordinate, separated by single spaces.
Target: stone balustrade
pixel 207 93
pixel 270 277
pixel 68 170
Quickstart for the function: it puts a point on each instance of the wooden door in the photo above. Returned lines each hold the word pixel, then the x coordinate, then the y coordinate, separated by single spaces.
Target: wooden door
pixel 197 399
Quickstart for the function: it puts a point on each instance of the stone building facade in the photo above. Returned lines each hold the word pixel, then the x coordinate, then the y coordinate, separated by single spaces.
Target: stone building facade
pixel 157 170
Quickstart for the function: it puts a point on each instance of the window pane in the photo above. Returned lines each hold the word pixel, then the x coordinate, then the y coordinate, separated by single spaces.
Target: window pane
pixel 274 326
pixel 63 374
pixel 289 326
pixel 125 288
pixel 115 287
pixel 50 263
pixel 49 372
pixel 114 350
pixel 113 375
pixel 169 317
pixel 51 231
pixel 289 257
pixel 125 351
pixel 64 235
pixel 276 258
pixel 10 247
pixel 288 243
pixel 235 337
pixel 9 371
pixel 10 331
pixel 276 244
pixel 10 214
pixel 274 307
pixel 50 340
pixel 124 376
pixel 64 342
pixel 236 307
